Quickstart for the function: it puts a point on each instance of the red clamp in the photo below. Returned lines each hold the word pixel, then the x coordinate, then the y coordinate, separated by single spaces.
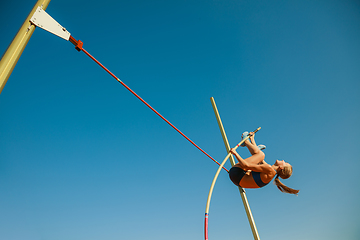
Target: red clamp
pixel 78 44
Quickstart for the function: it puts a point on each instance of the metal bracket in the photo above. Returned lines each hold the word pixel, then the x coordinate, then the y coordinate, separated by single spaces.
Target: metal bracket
pixel 45 21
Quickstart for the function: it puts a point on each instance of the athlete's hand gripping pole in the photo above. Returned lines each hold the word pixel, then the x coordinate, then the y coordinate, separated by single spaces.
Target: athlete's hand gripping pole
pixel 214 181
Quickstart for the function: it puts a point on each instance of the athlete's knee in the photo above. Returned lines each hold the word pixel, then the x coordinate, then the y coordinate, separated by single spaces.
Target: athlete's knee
pixel 261 154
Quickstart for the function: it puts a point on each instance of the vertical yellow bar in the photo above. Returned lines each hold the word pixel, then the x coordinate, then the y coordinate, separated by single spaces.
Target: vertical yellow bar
pixel 17 46
pixel 223 134
pixel 242 192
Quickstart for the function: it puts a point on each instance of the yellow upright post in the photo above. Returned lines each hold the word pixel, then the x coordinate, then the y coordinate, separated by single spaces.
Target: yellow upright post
pixel 17 46
pixel 242 192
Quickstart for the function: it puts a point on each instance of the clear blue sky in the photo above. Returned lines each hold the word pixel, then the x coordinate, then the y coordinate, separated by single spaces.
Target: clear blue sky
pixel 82 158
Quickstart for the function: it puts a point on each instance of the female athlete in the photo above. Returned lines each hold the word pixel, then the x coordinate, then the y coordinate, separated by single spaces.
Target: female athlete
pixel 254 172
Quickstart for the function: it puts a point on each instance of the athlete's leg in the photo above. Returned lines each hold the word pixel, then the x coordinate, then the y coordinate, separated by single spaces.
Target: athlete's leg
pixel 255 159
pixel 253 149
pixel 257 155
pixel 251 145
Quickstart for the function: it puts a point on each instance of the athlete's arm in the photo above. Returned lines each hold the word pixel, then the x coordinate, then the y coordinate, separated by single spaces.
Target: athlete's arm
pixel 265 168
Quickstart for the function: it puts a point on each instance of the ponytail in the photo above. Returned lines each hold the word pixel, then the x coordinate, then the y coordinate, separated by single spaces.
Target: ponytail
pixel 284 173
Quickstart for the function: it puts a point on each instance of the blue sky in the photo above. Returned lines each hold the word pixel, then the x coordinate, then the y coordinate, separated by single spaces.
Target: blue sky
pixel 82 158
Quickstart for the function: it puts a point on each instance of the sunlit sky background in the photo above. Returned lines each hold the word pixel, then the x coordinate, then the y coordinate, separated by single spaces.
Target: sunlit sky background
pixel 82 158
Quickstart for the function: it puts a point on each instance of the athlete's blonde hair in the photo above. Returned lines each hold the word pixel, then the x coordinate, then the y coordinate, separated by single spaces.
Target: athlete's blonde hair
pixel 284 174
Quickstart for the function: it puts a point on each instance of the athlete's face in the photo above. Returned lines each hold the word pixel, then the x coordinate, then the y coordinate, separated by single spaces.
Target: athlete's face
pixel 281 163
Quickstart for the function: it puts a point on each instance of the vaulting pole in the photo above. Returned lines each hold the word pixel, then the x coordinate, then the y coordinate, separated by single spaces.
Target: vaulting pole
pixel 242 192
pixel 17 46
pixel 214 181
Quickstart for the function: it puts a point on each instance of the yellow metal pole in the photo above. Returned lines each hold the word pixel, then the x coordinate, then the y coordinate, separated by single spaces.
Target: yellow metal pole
pixel 241 190
pixel 17 46
pixel 223 134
